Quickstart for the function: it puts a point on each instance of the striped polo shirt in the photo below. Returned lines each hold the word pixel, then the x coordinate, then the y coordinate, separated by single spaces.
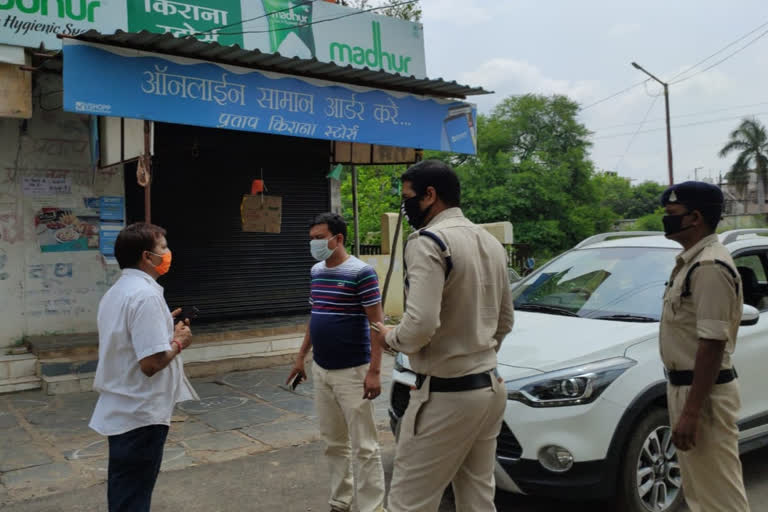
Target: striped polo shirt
pixel 339 327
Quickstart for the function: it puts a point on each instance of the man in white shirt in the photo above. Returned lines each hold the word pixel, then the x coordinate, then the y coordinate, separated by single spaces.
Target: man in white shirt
pixel 140 375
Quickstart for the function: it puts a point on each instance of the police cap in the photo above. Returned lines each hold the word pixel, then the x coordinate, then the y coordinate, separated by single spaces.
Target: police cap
pixel 694 195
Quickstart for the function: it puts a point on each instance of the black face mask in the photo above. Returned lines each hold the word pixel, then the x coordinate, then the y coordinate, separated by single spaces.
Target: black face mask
pixel 413 213
pixel 673 224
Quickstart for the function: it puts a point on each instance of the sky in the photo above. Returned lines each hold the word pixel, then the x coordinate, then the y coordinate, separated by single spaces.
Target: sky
pixel 584 49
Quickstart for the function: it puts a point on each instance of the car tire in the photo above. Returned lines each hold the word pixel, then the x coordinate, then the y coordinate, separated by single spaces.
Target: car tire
pixel 650 478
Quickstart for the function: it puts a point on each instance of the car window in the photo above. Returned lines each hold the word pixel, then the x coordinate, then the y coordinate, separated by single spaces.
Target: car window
pixel 751 268
pixel 601 283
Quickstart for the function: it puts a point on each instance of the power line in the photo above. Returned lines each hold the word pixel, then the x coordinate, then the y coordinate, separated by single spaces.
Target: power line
pixel 241 22
pixel 693 114
pixel 598 102
pixel 721 50
pixel 632 140
pixel 687 125
pixel 317 22
pixel 614 95
pixel 723 59
pixel 645 86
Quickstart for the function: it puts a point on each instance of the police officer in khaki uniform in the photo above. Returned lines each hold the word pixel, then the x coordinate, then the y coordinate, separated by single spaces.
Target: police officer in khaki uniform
pixel 458 311
pixel 702 311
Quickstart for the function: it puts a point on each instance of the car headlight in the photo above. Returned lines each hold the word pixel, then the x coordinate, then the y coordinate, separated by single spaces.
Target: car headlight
pixel 572 386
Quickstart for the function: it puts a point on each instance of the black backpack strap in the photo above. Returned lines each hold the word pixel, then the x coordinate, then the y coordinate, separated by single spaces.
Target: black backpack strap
pixel 687 283
pixel 443 249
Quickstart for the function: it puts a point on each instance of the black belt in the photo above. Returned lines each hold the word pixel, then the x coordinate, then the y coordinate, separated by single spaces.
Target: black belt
pixel 465 383
pixel 685 377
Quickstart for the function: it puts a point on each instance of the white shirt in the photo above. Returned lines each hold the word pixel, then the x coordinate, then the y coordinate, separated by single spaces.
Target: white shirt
pixel 134 322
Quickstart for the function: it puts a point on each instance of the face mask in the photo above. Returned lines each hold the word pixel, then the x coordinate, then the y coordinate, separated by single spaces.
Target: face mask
pixel 673 224
pixel 413 213
pixel 164 265
pixel 320 250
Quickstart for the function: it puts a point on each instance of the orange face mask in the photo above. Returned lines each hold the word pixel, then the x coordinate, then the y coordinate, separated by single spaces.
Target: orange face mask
pixel 164 265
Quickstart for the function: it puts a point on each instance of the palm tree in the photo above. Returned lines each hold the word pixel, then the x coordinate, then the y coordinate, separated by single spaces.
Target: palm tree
pixel 750 139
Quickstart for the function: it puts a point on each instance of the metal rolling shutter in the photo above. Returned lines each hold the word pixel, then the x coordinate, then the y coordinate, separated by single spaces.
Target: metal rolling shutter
pixel 200 177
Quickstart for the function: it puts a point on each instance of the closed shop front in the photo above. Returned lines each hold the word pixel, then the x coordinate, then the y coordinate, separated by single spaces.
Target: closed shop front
pixel 199 178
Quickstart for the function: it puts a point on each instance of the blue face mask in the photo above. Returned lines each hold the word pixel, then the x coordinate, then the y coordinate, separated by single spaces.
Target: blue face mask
pixel 320 250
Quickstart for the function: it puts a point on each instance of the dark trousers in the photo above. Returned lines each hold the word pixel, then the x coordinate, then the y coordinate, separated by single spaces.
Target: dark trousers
pixel 134 462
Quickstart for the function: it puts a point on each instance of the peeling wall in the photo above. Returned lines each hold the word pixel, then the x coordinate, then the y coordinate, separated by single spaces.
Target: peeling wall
pixel 52 292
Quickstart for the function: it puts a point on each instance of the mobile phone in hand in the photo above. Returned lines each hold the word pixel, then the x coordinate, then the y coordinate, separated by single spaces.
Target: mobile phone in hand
pixel 297 380
pixel 188 312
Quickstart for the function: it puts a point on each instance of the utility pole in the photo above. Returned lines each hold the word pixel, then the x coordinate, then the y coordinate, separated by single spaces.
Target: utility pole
pixel 669 130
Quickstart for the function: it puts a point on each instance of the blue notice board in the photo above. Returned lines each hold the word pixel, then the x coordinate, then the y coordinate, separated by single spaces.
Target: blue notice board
pixel 107 238
pixel 111 208
pixel 157 87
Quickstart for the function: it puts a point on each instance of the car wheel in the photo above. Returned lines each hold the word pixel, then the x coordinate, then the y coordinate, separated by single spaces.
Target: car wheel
pixel 650 472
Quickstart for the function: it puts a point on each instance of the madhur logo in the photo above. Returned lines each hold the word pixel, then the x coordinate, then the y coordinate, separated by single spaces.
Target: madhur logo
pixel 95 108
pixel 291 15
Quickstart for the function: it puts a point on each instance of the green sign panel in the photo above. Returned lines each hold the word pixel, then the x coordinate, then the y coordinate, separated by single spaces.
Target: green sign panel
pixel 325 31
pixel 203 19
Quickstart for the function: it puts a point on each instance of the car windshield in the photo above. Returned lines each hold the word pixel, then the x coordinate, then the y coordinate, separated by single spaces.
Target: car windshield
pixel 617 283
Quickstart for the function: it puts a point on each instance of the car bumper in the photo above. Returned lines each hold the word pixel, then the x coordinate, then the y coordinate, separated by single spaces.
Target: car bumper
pixel 585 431
pixel 585 480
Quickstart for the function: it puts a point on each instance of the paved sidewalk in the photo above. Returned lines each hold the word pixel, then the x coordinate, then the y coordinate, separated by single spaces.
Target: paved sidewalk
pixel 46 446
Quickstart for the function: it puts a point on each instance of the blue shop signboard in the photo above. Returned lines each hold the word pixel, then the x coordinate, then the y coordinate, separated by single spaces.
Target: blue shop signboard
pixel 103 80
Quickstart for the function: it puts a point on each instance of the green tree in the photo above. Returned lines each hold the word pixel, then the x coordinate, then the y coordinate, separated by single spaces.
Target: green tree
pixel 615 192
pixel 378 193
pixel 649 222
pixel 410 12
pixel 533 169
pixel 644 199
pixel 750 140
pixel 625 200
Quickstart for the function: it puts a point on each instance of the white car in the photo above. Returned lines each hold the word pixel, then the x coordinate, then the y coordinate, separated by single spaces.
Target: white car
pixel 586 414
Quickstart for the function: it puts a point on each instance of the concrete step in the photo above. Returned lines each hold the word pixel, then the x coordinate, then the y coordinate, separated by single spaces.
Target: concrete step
pixel 15 384
pixel 74 347
pixel 65 366
pixel 23 365
pixel 206 359
pixel 62 375
pixel 71 383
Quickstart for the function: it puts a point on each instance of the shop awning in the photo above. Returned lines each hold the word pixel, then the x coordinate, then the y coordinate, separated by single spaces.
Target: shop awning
pixel 159 77
pixel 311 68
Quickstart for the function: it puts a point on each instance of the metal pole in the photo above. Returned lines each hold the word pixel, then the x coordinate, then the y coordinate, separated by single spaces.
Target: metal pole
pixel 669 137
pixel 148 165
pixel 355 212
pixel 392 254
pixel 669 129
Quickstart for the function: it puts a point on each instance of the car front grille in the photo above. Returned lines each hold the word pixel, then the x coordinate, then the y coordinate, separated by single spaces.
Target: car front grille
pixel 507 445
pixel 401 394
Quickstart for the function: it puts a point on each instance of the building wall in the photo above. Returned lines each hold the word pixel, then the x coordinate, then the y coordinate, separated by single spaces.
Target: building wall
pixel 52 292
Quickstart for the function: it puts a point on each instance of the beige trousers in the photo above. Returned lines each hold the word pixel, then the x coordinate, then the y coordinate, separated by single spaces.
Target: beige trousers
pixel 448 438
pixel 711 472
pixel 348 427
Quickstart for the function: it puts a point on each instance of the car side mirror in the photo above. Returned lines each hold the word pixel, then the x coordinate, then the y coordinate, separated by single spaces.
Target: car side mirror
pixel 749 315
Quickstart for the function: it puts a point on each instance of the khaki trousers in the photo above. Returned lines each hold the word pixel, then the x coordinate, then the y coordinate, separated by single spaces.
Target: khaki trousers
pixel 711 471
pixel 348 427
pixel 448 438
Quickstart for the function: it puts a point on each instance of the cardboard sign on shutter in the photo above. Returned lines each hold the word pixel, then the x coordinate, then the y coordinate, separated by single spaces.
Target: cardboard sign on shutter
pixel 261 214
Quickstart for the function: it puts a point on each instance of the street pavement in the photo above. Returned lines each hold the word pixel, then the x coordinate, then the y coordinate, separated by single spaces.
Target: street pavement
pixel 249 443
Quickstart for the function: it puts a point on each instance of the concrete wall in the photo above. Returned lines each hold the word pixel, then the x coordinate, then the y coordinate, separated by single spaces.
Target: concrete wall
pixel 55 292
pixel 742 222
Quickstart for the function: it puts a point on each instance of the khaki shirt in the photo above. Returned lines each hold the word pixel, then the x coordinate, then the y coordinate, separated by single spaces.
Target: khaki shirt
pixel 454 327
pixel 712 311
